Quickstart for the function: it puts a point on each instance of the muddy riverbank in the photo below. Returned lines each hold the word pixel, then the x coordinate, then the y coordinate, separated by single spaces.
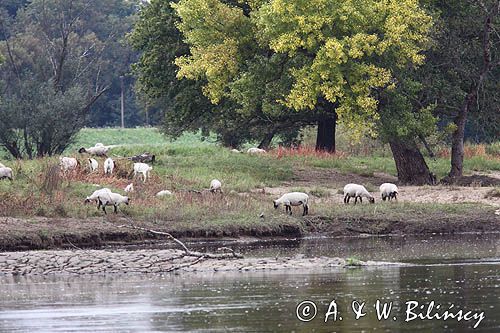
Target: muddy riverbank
pixel 17 234
pixel 82 262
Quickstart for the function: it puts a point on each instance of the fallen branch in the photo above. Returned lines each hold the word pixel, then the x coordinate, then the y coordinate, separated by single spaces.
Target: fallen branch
pixel 228 254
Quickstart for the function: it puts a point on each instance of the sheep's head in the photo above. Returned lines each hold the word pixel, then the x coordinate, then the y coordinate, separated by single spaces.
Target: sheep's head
pixel 372 200
pixel 127 201
pixel 82 150
pixel 87 200
pixel 276 205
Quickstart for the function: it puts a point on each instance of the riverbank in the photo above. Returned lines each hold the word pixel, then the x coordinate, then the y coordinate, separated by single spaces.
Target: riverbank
pixel 20 234
pixel 82 262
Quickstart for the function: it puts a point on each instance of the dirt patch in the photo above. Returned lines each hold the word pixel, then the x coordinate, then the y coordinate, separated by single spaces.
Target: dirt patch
pixel 476 188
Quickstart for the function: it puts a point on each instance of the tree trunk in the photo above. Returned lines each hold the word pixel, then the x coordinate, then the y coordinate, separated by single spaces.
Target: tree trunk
pixel 325 139
pixel 457 145
pixel 410 164
pixel 266 141
pixel 457 141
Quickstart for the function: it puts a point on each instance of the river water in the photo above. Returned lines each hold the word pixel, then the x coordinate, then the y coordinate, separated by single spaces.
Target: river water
pixel 463 271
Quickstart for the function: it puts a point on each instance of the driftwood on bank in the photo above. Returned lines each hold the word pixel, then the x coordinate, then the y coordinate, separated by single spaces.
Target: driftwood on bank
pixel 228 254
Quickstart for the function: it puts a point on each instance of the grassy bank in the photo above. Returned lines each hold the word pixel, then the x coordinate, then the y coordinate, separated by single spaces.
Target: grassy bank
pixel 186 167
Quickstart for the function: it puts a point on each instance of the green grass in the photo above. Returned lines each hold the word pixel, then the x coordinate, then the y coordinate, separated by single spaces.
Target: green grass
pixel 190 163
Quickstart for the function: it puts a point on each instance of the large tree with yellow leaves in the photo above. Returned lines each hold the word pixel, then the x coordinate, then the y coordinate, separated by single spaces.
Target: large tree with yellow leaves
pixel 339 53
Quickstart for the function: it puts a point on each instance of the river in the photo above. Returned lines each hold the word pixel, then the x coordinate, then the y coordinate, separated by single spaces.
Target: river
pixel 461 270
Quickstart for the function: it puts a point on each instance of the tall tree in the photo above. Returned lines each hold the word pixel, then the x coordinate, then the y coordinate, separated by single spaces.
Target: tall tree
pixel 484 28
pixel 56 68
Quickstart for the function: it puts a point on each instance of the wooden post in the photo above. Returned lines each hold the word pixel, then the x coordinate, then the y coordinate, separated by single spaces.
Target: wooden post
pixel 122 102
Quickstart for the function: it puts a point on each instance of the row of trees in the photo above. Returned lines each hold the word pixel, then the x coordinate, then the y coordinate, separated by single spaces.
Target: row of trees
pixel 256 69
pixel 61 68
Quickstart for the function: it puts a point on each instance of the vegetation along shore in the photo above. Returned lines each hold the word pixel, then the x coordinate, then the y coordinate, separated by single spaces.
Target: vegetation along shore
pixel 44 208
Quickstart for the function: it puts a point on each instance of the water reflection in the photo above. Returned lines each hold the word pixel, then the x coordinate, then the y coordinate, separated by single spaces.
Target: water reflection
pixel 266 301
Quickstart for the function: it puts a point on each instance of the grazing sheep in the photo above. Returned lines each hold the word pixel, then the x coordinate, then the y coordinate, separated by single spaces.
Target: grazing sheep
pixel 389 191
pixel 68 163
pixel 356 191
pixel 129 188
pixel 95 196
pixel 5 172
pixel 98 150
pixel 143 169
pixel 215 185
pixel 254 150
pixel 112 199
pixel 163 193
pixel 109 166
pixel 93 165
pixel 293 199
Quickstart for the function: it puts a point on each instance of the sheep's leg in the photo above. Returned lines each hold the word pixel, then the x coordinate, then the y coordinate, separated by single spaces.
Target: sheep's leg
pixel 289 209
pixel 104 209
pixel 306 210
pixel 360 199
pixel 115 209
pixel 355 200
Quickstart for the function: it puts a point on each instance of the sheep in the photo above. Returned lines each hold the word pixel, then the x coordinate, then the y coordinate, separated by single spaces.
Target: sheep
pixel 68 163
pixel 254 150
pixel 163 193
pixel 142 168
pixel 389 191
pixel 215 185
pixel 356 191
pixel 98 150
pixel 109 165
pixel 95 196
pixel 99 145
pixel 93 165
pixel 129 188
pixel 112 199
pixel 293 199
pixel 5 172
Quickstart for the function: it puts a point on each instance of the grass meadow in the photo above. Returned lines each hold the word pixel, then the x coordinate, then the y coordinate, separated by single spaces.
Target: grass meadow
pixel 186 167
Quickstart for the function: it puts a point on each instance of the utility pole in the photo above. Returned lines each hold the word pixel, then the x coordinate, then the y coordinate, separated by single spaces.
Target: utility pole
pixel 122 102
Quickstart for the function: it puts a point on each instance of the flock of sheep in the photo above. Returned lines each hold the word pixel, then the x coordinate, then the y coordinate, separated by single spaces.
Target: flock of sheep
pixel 387 190
pixel 105 197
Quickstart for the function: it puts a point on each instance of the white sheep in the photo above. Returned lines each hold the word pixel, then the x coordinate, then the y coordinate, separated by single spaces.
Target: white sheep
pixel 163 193
pixel 109 166
pixel 112 199
pixel 215 185
pixel 254 150
pixel 99 145
pixel 68 163
pixel 129 188
pixel 143 169
pixel 93 165
pixel 389 191
pixel 356 191
pixel 98 150
pixel 293 199
pixel 95 196
pixel 5 172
